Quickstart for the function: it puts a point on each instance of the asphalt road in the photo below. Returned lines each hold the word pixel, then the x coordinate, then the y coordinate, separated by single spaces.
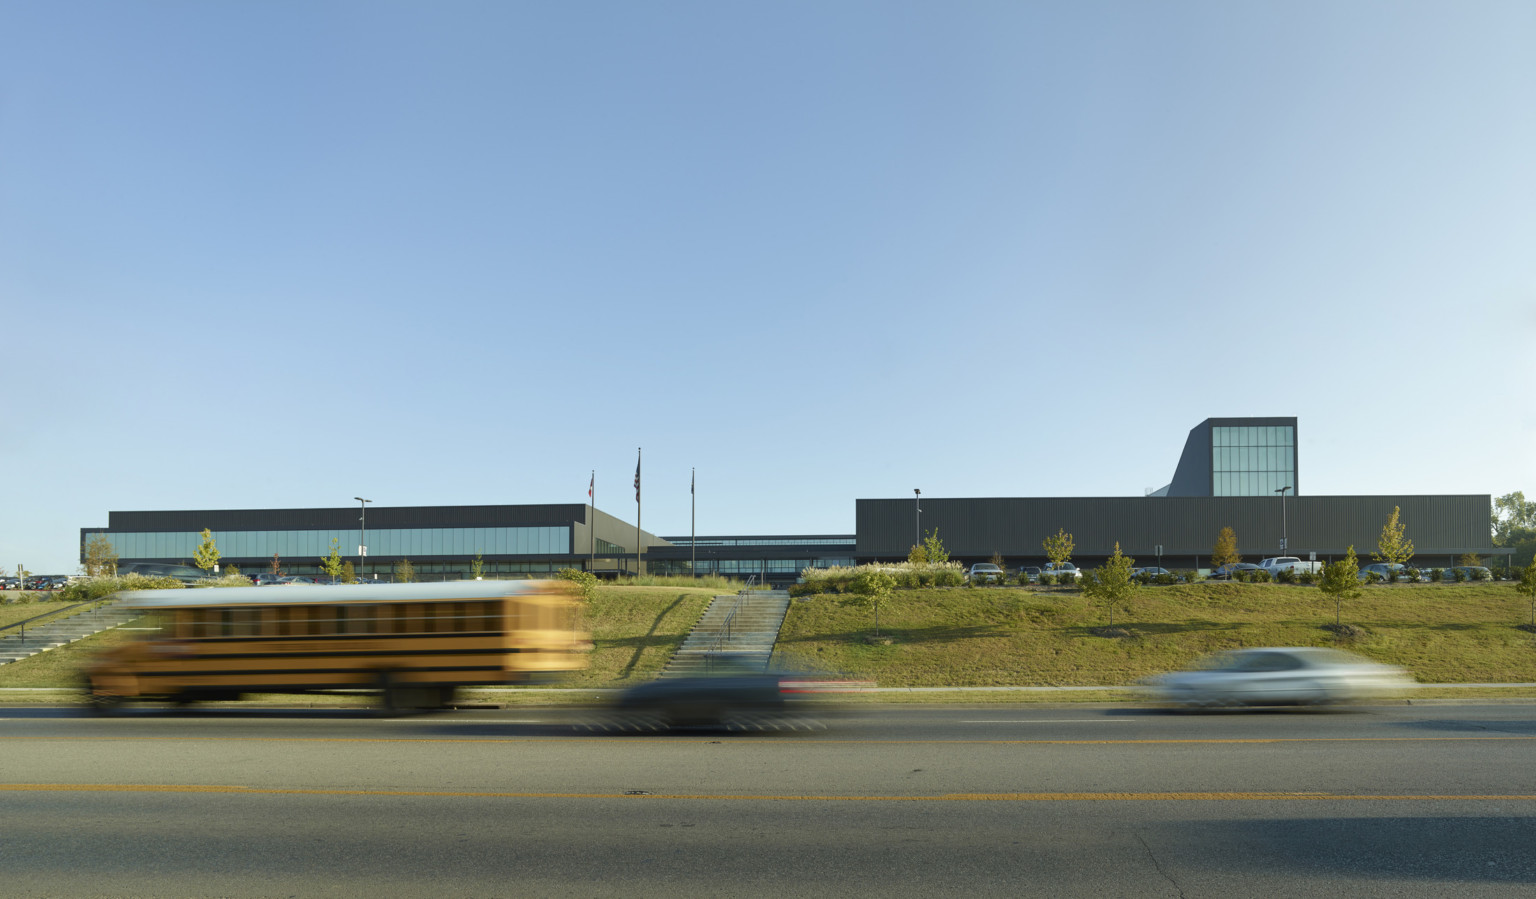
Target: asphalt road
pixel 897 801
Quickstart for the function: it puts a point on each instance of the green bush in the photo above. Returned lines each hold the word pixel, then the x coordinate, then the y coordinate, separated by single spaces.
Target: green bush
pixel 1068 579
pixel 1306 577
pixel 1372 577
pixel 585 581
pixel 1437 574
pixel 1047 580
pixel 1166 579
pixel 1483 575
pixel 1459 574
pixel 91 588
pixel 1413 575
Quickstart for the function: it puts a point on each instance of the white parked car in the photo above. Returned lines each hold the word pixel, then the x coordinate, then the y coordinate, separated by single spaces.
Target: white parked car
pixel 1306 675
pixel 984 573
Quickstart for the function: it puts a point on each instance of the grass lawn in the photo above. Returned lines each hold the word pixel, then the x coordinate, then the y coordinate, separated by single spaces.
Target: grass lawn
pixel 951 637
pixel 1013 636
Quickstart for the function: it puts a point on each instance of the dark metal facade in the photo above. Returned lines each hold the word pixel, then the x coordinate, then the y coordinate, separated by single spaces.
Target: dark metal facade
pixel 1441 527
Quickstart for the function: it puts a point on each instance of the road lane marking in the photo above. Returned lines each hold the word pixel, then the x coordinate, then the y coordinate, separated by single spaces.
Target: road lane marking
pixel 734 739
pixel 231 789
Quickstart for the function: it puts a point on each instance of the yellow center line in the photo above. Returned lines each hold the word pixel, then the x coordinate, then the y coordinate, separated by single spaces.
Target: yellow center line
pixel 736 739
pixel 941 797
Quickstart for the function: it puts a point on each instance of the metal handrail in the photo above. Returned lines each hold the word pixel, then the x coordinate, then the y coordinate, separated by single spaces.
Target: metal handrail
pixel 22 625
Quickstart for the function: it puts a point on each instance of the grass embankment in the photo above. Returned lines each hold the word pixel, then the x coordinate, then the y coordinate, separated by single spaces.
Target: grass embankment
pixel 954 637
pixel 1009 636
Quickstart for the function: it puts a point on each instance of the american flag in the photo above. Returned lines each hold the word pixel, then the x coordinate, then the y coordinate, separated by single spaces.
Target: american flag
pixel 637 478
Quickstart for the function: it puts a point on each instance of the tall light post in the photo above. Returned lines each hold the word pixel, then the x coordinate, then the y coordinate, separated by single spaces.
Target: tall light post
pixel 917 503
pixel 362 534
pixel 1285 539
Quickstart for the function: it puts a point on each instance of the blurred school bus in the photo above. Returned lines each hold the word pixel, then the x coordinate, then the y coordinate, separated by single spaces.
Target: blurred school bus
pixel 412 644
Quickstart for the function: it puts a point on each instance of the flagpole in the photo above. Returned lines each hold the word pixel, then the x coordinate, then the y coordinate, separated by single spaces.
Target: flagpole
pixel 639 565
pixel 592 529
pixel 693 520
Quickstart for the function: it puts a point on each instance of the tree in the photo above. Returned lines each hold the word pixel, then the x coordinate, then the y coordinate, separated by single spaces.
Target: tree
pixel 207 554
pixel 349 574
pixel 477 566
pixel 1225 553
pixel 1341 581
pixel 933 548
pixel 1058 548
pixel 331 564
pixel 1392 546
pixel 1527 587
pixel 997 559
pixel 1512 512
pixel 1111 584
pixel 277 566
pixel 100 557
pixel 405 572
pixel 917 557
pixel 871 587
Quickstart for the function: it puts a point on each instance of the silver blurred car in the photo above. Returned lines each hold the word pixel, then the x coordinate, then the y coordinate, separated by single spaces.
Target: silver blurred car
pixel 1303 675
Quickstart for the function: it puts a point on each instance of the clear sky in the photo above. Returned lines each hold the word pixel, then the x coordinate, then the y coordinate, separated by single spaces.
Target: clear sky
pixel 281 254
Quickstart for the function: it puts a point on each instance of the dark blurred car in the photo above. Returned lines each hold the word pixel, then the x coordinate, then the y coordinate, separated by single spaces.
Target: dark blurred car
pixel 1384 571
pixel 1303 675
pixel 733 695
pixel 1225 572
pixel 294 579
pixel 264 578
pixel 184 573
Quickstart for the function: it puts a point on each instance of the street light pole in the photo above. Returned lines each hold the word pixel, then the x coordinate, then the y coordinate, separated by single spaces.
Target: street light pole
pixel 362 534
pixel 1285 537
pixel 917 503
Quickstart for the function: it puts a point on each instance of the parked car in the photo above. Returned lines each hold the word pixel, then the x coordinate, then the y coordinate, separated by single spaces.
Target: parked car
pixel 1062 570
pixel 1279 676
pixel 1469 572
pixel 1283 563
pixel 984 573
pixel 1030 573
pixel 1383 570
pixel 294 579
pixel 1153 571
pixel 10 583
pixel 1225 572
pixel 264 578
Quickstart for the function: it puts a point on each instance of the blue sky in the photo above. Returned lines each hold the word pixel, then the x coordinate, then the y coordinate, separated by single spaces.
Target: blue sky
pixel 283 254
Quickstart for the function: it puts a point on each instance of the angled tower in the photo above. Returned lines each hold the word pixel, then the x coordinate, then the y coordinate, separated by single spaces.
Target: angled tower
pixel 1236 457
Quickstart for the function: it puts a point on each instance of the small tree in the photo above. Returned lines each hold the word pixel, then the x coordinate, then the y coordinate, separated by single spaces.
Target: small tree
pixel 1470 560
pixel 1341 581
pixel 349 574
pixel 331 564
pixel 871 587
pixel 997 559
pixel 917 556
pixel 1111 584
pixel 933 548
pixel 207 554
pixel 277 566
pixel 100 557
pixel 405 572
pixel 1058 548
pixel 477 566
pixel 1527 587
pixel 1393 547
pixel 1225 553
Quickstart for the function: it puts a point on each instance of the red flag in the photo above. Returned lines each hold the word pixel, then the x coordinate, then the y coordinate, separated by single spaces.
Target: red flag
pixel 592 485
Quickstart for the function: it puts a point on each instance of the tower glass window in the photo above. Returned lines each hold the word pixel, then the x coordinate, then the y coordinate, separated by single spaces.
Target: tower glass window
pixel 1252 461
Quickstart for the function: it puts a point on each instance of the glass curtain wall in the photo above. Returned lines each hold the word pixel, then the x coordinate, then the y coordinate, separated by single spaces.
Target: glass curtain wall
pixel 1252 461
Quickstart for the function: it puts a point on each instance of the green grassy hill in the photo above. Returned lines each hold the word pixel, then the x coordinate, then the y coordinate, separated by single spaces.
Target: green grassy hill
pixel 1011 636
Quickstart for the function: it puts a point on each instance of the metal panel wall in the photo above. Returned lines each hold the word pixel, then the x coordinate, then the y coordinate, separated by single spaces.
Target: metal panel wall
pixel 1187 525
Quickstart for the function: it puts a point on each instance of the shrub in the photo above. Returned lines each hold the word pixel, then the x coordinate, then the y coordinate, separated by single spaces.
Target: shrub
pixel 1286 576
pixel 1261 577
pixel 585 581
pixel 1460 574
pixel 1437 574
pixel 1306 577
pixel 1166 579
pixel 1068 579
pixel 1482 575
pixel 1189 575
pixel 1047 580
pixel 1413 576
pixel 1372 577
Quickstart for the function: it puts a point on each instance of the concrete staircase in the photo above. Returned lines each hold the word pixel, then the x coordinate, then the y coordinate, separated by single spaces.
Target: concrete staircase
pixel 737 630
pixel 18 643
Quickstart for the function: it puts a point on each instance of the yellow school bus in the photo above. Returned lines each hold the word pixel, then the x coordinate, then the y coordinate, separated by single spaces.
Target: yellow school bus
pixel 412 644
